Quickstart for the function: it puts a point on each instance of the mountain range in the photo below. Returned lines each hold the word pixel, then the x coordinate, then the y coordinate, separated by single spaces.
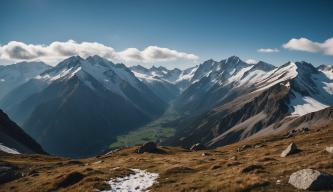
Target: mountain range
pixel 79 101
pixel 12 76
pixel 80 106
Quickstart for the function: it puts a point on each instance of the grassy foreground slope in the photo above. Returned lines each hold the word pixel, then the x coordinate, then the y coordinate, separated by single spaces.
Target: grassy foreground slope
pixel 257 167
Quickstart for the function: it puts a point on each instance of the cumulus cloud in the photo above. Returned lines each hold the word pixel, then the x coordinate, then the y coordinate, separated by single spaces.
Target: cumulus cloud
pixel 268 50
pixel 154 53
pixel 304 44
pixel 56 51
pixel 251 61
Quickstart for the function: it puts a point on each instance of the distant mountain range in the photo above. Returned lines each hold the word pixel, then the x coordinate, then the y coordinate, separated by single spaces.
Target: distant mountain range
pixel 12 76
pixel 80 106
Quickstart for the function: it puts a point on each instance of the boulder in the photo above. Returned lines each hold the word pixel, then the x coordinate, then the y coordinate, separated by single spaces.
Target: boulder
pixel 204 154
pixel 329 150
pixel 150 147
pixel 309 179
pixel 291 149
pixel 70 179
pixel 197 147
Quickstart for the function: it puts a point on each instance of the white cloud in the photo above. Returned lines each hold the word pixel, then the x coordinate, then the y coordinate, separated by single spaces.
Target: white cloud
pixel 17 51
pixel 155 54
pixel 268 50
pixel 304 44
pixel 251 61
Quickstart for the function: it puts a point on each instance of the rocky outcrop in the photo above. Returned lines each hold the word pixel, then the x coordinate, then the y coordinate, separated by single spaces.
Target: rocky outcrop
pixel 291 149
pixel 150 147
pixel 197 147
pixel 295 132
pixel 309 179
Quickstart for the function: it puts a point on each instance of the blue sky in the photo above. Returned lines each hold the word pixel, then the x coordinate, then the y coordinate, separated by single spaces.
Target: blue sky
pixel 206 28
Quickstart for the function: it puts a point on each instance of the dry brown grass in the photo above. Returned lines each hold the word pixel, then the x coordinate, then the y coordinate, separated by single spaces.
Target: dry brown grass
pixel 222 169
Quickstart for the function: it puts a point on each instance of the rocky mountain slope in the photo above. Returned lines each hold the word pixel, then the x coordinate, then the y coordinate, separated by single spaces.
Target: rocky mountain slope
pixel 287 92
pixel 249 165
pixel 14 139
pixel 215 83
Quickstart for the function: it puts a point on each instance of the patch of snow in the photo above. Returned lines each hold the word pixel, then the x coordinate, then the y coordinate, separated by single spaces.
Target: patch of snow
pixel 328 73
pixel 237 76
pixel 253 77
pixel 301 105
pixel 140 181
pixel 8 150
pixel 277 76
pixel 53 76
pixel 232 72
pixel 187 76
pixel 328 88
pixel 287 84
pixel 145 77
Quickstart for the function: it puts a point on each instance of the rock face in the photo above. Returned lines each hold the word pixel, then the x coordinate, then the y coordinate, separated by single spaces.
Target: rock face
pixel 309 179
pixel 13 136
pixel 294 132
pixel 291 149
pixel 197 147
pixel 149 147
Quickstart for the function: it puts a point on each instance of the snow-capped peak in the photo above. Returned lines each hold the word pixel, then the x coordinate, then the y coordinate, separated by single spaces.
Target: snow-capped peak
pixel 325 67
pixel 172 76
pixel 327 70
pixel 233 60
pixel 65 69
pixel 110 75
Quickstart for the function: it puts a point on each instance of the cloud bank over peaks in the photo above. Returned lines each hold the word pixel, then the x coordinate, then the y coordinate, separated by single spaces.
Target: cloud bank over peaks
pixel 304 44
pixel 15 51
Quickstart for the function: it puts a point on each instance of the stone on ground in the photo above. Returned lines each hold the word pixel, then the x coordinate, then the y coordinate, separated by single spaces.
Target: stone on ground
pixel 197 147
pixel 149 147
pixel 309 179
pixel 291 149
pixel 329 150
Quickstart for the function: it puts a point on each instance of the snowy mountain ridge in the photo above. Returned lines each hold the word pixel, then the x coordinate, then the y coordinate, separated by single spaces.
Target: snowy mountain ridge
pixel 107 73
pixel 231 77
pixel 12 76
pixel 173 76
pixel 119 99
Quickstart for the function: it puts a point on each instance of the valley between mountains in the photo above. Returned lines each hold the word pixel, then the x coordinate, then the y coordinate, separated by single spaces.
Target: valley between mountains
pixel 249 165
pixel 218 126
